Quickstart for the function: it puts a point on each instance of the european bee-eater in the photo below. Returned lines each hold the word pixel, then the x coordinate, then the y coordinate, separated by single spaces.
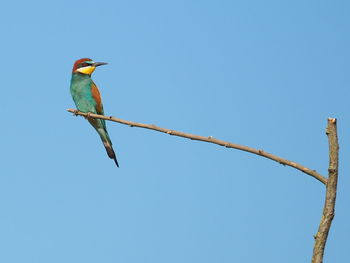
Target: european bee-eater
pixel 87 98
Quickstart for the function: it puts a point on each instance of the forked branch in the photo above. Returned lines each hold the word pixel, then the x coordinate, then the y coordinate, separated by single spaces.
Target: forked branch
pixel 331 193
pixel 330 183
pixel 209 139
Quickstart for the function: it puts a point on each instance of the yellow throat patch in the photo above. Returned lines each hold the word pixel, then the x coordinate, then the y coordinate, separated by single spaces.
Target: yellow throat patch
pixel 86 70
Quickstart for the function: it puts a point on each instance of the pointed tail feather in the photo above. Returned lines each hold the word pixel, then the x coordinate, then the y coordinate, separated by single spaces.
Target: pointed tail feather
pixel 110 151
pixel 100 127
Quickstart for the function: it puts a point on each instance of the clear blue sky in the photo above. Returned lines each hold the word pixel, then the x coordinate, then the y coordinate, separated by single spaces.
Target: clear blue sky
pixel 266 74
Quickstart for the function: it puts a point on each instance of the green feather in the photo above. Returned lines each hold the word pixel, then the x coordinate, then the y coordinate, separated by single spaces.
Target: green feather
pixel 80 89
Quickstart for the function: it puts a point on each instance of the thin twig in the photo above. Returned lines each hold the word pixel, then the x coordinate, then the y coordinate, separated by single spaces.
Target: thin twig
pixel 209 139
pixel 331 193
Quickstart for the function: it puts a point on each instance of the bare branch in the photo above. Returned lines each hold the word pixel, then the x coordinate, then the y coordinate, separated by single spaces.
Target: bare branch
pixel 209 139
pixel 331 193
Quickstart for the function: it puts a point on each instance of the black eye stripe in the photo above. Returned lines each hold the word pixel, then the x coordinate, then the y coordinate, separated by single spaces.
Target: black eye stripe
pixel 81 65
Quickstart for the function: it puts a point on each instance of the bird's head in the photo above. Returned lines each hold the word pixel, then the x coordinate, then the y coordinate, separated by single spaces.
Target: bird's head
pixel 86 66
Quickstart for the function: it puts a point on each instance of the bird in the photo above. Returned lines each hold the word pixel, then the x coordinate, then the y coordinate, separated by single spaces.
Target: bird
pixel 87 99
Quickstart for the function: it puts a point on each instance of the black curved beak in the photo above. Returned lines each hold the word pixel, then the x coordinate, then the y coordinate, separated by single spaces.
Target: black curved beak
pixel 96 64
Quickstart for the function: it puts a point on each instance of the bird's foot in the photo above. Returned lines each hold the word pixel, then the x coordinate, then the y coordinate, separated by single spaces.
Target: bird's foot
pixel 87 116
pixel 75 113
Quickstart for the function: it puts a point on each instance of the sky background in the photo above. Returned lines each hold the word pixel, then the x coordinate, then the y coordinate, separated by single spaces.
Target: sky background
pixel 265 74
